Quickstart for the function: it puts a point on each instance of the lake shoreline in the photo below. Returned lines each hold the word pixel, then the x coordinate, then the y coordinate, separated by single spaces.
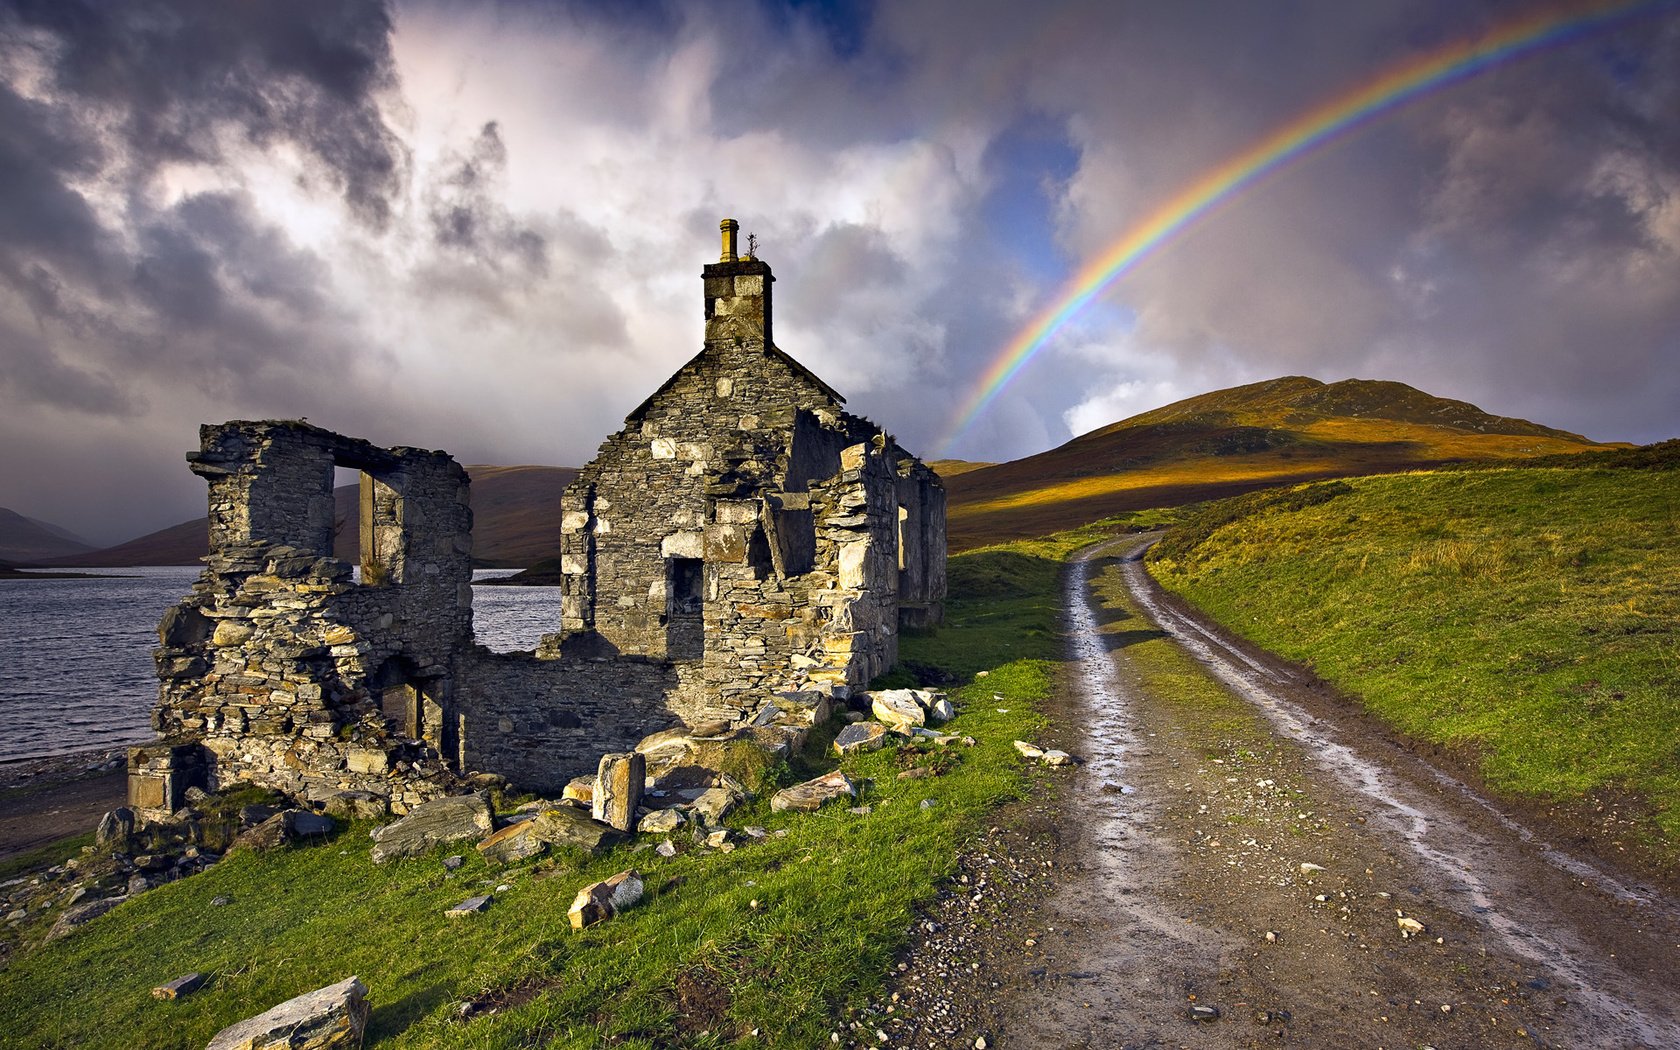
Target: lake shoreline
pixel 43 800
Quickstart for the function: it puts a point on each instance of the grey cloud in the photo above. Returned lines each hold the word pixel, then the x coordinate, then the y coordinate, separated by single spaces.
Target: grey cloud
pixel 467 216
pixel 179 75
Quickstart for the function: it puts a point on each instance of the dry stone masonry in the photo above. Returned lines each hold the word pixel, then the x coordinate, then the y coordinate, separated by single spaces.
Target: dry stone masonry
pixel 741 552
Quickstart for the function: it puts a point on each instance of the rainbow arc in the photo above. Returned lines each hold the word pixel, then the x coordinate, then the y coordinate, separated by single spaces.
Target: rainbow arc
pixel 1311 131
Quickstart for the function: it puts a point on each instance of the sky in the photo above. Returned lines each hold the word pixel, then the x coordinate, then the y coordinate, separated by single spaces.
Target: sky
pixel 480 227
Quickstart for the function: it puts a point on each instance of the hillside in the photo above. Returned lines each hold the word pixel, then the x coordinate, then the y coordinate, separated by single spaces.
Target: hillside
pixel 1233 441
pixel 26 539
pixel 516 513
pixel 1522 618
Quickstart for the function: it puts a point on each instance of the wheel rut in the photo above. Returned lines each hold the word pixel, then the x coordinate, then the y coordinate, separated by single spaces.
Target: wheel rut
pixel 1235 858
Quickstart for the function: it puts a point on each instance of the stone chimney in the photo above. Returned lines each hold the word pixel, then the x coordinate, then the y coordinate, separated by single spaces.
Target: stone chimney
pixel 737 295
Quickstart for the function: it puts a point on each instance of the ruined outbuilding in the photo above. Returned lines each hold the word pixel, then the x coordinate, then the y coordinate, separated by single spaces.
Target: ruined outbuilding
pixel 742 536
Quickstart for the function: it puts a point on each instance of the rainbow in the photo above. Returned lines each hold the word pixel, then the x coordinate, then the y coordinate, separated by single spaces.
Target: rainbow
pixel 1394 87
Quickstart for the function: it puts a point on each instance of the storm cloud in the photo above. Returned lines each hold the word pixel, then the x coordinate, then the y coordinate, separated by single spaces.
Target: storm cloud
pixel 479 227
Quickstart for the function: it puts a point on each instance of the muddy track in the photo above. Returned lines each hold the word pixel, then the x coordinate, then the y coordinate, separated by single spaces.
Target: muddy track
pixel 1234 871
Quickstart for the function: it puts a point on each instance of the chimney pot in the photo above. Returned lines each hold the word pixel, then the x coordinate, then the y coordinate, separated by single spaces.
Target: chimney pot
pixel 730 228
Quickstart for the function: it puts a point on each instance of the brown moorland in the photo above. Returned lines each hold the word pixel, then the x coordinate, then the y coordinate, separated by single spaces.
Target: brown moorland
pixel 1228 442
pixel 515 512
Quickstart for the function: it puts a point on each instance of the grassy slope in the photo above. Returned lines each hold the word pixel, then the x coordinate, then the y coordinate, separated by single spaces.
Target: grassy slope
pixel 1525 615
pixel 835 897
pixel 1233 441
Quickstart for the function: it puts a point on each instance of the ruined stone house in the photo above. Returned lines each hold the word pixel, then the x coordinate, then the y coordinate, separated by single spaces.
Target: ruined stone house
pixel 742 536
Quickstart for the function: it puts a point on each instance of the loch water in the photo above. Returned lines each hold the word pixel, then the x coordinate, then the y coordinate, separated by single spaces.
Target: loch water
pixel 76 655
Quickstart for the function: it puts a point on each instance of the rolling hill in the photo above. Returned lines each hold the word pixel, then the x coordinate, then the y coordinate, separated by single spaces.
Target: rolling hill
pixel 516 513
pixel 1232 441
pixel 1216 444
pixel 27 540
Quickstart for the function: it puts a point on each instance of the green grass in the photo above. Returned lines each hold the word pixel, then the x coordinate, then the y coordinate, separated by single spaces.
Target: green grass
pixel 696 964
pixel 54 852
pixel 1527 616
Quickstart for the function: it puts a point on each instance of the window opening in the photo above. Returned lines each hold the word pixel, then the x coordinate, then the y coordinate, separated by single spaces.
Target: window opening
pixel 379 532
pixel 685 587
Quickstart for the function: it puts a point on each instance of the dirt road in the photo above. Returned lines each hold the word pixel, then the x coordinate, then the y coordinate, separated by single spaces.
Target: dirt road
pixel 1239 863
pixel 1247 851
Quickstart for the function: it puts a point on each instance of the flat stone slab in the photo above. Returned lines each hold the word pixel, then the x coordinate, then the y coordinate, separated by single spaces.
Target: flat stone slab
pixel 471 906
pixel 79 914
pixel 813 793
pixel 180 987
pixel 330 1018
pixel 565 826
pixel 861 736
pixel 440 820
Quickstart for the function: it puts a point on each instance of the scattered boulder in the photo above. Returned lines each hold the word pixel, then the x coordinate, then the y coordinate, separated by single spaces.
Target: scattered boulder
pixel 898 707
pixel 267 835
pixel 514 843
pixel 936 737
pixel 328 1018
pixel 580 790
pixel 355 805
pixel 861 736
pixel 1059 758
pixel 430 823
pixel 565 826
pixel 600 901
pixel 304 824
pixel 618 789
pixel 660 821
pixel 471 906
pixel 1028 750
pixel 81 914
pixel 942 710
pixel 1409 927
pixel 288 825
pixel 813 793
pixel 116 829
pixel 252 815
pixel 180 987
pixel 718 803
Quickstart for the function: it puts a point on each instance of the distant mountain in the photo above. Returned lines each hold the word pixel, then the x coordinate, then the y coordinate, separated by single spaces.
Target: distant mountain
pixel 516 522
pixel 1230 441
pixel 1217 444
pixel 26 540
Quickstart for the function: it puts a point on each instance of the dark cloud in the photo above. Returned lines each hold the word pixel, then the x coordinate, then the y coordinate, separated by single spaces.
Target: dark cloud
pixel 210 209
pixel 468 218
pixel 185 81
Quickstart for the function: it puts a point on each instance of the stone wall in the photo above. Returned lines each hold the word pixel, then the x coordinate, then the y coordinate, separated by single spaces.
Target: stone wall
pixel 742 535
pixel 285 669
pixel 743 520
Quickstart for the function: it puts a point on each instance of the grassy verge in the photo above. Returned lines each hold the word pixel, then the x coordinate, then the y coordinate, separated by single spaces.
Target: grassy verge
pixel 43 856
pixel 764 946
pixel 1528 616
